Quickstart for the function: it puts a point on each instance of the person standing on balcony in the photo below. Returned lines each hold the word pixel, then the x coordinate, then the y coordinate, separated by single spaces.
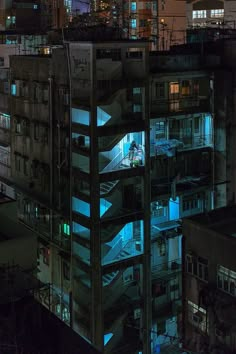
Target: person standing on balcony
pixel 132 148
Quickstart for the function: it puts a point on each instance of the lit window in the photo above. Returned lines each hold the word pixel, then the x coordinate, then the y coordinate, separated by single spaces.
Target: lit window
pixel 174 87
pixel 226 280
pixel 199 14
pixel 35 7
pixel 66 229
pixel 197 316
pixel 133 6
pixel 136 90
pixel 185 87
pixel 133 23
pixel 13 89
pixel 217 13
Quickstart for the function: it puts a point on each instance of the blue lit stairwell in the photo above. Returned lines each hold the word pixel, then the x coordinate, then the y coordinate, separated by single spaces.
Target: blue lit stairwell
pixel 118 156
pixel 127 243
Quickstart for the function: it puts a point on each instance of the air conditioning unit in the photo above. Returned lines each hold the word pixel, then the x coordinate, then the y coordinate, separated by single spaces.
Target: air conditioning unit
pixel 197 318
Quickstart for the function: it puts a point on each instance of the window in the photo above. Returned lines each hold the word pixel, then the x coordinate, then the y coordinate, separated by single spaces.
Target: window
pixel 159 289
pixel 36 131
pixel 137 108
pixel 35 7
pixel 217 13
pixel 160 89
pixel 197 316
pixel 226 280
pixel 158 209
pixel 197 266
pixel 192 201
pixel 160 127
pixel 66 271
pixel 136 90
pixel 143 23
pixel 26 166
pixel 148 5
pixel 196 124
pixel 17 163
pixel 161 246
pixel 66 229
pixel 13 89
pixel 199 14
pixel 46 255
pixel 174 88
pixel 133 23
pixel 133 6
pixel 4 121
pixel 185 90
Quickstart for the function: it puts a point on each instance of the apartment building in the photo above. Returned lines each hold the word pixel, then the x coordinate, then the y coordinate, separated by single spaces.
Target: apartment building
pixel 107 156
pixel 219 14
pixel 33 15
pixel 209 281
pixel 162 22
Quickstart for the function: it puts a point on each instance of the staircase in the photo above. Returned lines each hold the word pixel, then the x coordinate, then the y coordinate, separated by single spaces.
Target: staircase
pixel 108 278
pixel 108 142
pixel 107 187
pixel 110 231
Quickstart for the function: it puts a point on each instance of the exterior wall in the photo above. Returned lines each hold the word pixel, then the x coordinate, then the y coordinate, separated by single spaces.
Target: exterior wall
pixel 162 22
pixel 217 249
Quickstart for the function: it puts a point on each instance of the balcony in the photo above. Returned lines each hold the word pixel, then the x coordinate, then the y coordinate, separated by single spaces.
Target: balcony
pixel 167 270
pixel 180 104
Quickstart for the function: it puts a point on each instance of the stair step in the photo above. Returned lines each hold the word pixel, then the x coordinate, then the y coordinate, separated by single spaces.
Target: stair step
pixel 106 187
pixel 107 278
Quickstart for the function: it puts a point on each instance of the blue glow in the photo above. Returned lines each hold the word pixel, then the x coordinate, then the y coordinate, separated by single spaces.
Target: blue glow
pixel 174 209
pixel 102 117
pixel 133 23
pixel 80 116
pixel 104 206
pixel 133 6
pixel 79 206
pixel 80 230
pixel 107 337
pixel 208 128
pixel 13 89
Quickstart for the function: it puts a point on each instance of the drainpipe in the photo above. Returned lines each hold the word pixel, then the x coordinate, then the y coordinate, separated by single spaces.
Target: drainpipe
pixel 50 80
pixel 67 49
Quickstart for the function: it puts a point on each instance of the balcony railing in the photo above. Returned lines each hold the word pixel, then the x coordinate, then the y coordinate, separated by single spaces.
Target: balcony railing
pixel 180 104
pixel 167 269
pixel 168 147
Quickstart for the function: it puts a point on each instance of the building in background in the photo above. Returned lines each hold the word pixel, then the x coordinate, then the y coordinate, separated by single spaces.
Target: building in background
pixel 216 14
pixel 209 281
pixel 33 15
pixel 162 22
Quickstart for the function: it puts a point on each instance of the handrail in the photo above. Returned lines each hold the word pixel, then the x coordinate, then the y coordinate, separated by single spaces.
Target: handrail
pixel 168 265
pixel 108 168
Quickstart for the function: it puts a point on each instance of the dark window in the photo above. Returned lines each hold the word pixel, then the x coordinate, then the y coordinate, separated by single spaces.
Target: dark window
pixel 46 256
pixel 66 271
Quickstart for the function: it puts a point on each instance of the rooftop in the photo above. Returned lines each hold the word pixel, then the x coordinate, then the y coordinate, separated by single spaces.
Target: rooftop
pixel 222 220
